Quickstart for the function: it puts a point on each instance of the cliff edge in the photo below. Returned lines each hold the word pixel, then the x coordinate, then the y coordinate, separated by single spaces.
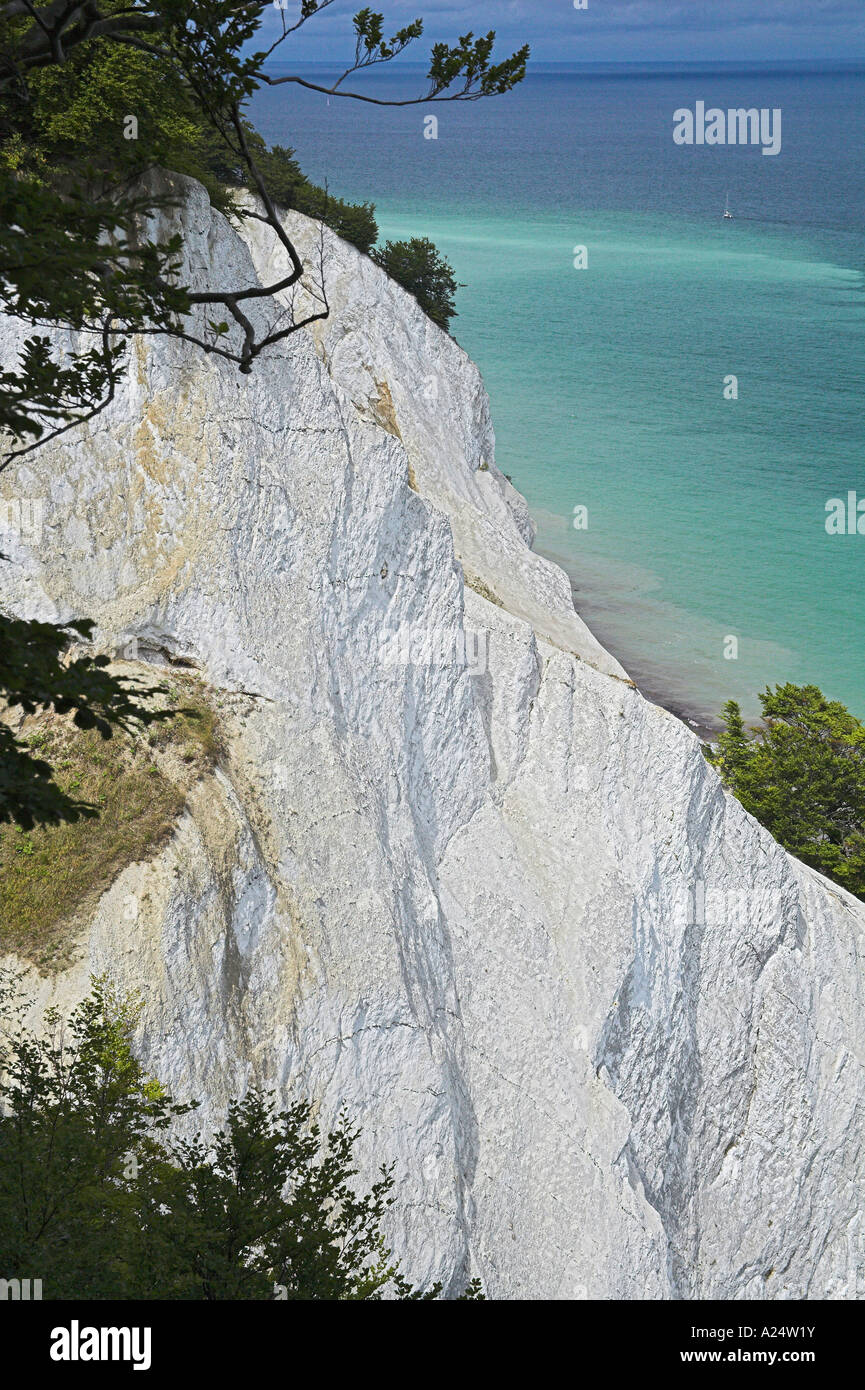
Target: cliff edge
pixel 453 871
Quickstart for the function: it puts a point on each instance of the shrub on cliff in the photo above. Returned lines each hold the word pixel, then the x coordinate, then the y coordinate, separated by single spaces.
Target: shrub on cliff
pixel 419 267
pixel 802 775
pixel 99 1201
pixel 290 188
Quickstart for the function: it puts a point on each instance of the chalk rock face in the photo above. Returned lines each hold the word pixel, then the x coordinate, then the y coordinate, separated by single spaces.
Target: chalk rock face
pixel 454 872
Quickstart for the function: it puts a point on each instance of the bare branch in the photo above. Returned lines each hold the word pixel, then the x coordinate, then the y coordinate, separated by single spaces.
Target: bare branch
pixel 334 91
pixel 292 29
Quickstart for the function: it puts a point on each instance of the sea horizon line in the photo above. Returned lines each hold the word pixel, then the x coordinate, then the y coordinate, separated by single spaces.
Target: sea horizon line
pixel 638 66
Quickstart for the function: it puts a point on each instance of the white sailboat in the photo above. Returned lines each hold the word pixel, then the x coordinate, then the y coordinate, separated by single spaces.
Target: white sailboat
pixel 727 213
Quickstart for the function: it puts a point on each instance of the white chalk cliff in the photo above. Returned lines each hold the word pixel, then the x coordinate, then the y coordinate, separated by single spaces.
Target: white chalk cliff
pixel 503 910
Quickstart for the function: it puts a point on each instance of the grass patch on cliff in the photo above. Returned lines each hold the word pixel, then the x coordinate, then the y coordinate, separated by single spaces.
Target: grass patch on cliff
pixel 138 786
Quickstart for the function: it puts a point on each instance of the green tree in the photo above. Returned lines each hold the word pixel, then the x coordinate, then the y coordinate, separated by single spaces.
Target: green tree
pixel 108 112
pixel 77 1114
pixel 70 123
pixel 423 271
pixel 99 1200
pixel 802 775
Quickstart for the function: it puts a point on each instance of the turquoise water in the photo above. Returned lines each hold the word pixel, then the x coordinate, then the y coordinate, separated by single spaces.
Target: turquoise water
pixel 705 515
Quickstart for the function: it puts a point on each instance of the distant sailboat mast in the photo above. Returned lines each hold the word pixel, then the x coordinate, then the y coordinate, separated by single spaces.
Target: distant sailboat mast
pixel 727 212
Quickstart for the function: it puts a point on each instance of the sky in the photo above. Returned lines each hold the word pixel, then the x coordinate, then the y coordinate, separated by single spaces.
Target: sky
pixel 607 30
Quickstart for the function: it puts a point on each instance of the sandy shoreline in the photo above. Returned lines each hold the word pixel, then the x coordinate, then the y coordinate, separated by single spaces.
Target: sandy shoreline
pixel 647 684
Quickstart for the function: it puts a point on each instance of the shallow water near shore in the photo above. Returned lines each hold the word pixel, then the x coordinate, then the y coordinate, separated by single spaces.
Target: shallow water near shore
pixel 705 565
